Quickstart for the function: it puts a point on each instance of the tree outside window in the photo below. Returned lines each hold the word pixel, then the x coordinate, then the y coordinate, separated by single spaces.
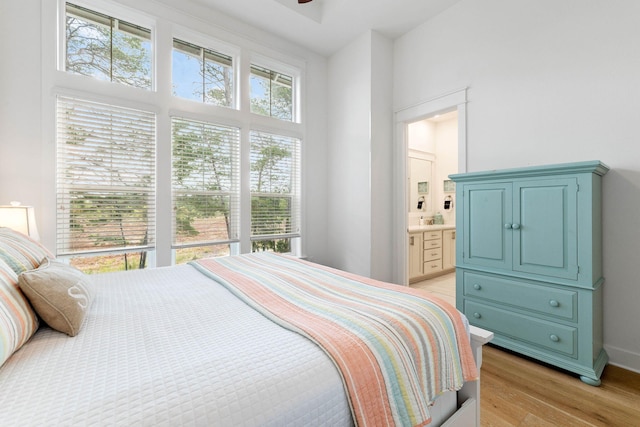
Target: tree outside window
pixel 106 48
pixel 271 93
pixel 202 74
pixel 275 186
pixel 205 182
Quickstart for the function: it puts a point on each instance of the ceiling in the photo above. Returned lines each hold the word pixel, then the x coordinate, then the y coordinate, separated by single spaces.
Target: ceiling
pixel 324 26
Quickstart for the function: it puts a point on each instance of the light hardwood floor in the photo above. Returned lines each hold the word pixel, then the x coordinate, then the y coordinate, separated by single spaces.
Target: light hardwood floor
pixel 518 391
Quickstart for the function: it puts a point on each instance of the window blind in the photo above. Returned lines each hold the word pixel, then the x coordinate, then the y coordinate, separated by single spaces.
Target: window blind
pixel 206 183
pixel 275 186
pixel 105 158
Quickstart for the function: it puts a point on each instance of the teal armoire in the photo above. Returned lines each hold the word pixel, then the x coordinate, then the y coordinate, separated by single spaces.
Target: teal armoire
pixel 529 261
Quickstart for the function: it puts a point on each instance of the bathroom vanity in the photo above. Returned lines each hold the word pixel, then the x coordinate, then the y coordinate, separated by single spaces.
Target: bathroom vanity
pixel 432 251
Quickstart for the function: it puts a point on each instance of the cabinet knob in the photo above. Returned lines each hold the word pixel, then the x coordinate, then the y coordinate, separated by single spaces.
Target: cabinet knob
pixel 477 315
pixel 554 303
pixel 477 287
pixel 507 226
pixel 554 338
pixel 515 226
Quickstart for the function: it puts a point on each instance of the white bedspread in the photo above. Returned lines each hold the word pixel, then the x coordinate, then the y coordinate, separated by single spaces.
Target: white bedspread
pixel 140 359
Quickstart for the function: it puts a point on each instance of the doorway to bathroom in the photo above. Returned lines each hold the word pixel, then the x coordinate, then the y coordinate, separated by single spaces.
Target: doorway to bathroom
pixel 430 140
pixel 432 155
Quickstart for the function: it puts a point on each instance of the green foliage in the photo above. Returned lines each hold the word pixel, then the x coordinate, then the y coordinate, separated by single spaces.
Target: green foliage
pixel 202 174
pixel 219 81
pixel 274 245
pixel 272 100
pixel 268 176
pixel 105 53
pixel 202 170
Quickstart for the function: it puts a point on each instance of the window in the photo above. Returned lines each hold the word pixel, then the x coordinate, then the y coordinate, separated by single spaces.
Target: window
pixel 202 74
pixel 106 48
pixel 271 93
pixel 165 175
pixel 205 181
pixel 275 191
pixel 105 159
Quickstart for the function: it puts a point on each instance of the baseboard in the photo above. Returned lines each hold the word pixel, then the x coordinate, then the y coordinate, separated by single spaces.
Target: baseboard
pixel 623 358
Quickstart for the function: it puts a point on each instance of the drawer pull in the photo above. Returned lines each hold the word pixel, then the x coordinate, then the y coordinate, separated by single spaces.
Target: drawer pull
pixel 554 338
pixel 515 226
pixel 507 226
pixel 477 315
pixel 554 303
pixel 477 287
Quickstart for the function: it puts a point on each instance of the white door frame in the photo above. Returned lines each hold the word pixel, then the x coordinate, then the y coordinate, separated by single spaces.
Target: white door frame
pixel 451 101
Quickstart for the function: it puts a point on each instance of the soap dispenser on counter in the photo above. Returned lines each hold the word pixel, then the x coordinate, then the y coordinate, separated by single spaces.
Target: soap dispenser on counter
pixel 438 219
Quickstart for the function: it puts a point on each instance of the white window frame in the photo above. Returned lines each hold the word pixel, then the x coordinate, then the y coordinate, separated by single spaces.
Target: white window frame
pixel 165 24
pixel 234 52
pixel 280 67
pixel 115 11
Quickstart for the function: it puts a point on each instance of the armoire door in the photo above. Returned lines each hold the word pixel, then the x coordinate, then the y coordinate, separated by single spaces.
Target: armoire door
pixel 545 227
pixel 487 235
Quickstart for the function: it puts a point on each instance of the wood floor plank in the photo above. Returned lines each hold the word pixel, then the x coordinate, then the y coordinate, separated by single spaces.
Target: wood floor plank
pixel 519 391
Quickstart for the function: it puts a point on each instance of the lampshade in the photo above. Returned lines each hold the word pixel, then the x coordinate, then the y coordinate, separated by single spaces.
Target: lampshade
pixel 20 218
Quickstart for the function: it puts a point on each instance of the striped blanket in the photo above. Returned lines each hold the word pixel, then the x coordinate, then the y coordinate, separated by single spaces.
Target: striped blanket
pixel 396 348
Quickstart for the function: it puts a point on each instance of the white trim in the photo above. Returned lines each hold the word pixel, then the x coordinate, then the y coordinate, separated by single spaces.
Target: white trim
pixel 103 98
pixel 114 10
pixel 195 24
pixel 439 104
pixel 624 358
pixel 456 100
pixel 294 71
pixel 206 41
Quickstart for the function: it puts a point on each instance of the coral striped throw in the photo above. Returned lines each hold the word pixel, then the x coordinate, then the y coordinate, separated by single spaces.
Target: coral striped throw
pixel 396 348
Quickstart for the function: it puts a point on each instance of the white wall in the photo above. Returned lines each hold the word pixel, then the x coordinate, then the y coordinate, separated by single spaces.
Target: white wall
pixel 26 173
pixel 421 136
pixel 381 156
pixel 20 93
pixel 360 157
pixel 549 82
pixel 349 202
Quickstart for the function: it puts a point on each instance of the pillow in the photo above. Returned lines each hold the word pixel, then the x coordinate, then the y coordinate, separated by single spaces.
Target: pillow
pixel 21 252
pixel 18 322
pixel 59 293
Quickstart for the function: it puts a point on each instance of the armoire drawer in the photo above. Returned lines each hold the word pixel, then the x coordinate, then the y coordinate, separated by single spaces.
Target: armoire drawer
pixel 431 254
pixel 552 336
pixel 542 299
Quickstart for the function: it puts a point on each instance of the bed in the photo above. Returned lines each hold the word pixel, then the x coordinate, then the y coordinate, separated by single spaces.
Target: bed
pixel 183 346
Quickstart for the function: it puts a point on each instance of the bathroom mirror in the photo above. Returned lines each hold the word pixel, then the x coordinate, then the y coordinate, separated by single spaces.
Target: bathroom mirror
pixel 420 185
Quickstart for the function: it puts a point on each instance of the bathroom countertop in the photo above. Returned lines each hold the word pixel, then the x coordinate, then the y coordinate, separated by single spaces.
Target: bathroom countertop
pixel 418 228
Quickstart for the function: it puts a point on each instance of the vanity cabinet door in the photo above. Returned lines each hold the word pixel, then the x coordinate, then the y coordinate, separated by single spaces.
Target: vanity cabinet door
pixel 448 249
pixel 415 255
